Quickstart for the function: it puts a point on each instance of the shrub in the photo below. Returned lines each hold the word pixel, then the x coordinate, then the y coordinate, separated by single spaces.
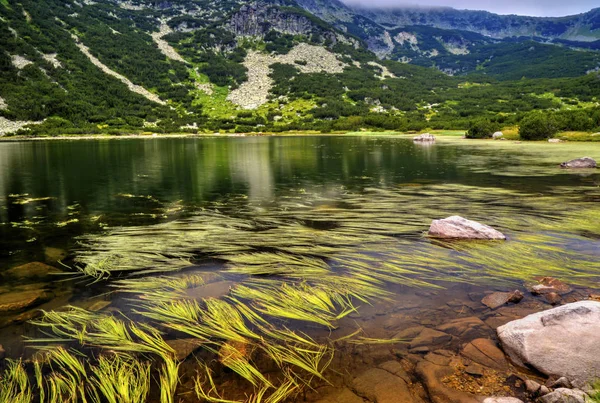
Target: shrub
pixel 537 126
pixel 481 129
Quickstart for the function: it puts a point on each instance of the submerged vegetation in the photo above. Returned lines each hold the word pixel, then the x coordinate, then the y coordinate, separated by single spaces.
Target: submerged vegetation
pixel 240 281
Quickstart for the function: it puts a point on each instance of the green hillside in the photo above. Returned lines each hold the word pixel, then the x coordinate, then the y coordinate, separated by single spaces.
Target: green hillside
pixel 202 66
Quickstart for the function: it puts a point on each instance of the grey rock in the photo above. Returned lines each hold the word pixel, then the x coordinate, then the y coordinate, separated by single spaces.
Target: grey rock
pixel 555 141
pixel 502 400
pixel 561 382
pixel 497 135
pixel 557 341
pixel 544 390
pixel 578 163
pixel 456 227
pixel 564 395
pixel 425 137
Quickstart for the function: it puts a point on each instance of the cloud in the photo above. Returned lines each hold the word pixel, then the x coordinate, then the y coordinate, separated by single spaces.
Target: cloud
pixel 546 8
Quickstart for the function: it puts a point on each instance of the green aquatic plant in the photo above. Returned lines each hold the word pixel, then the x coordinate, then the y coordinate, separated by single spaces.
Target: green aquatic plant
pixel 14 384
pixel 120 379
pixel 308 260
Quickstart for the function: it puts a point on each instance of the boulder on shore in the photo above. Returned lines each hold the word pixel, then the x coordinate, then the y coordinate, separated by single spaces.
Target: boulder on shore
pixel 559 342
pixel 585 162
pixel 565 396
pixel 456 227
pixel 497 135
pixel 425 137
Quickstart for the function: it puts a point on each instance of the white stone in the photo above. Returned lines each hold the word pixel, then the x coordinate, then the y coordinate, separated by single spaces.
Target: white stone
pixel 497 135
pixel 424 137
pixel 457 227
pixel 502 400
pixel 563 341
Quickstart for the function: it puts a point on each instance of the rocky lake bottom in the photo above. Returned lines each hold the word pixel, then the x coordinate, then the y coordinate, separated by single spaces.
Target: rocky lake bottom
pixel 288 268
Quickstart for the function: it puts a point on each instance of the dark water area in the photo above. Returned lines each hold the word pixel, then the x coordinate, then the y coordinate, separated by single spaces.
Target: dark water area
pixel 249 206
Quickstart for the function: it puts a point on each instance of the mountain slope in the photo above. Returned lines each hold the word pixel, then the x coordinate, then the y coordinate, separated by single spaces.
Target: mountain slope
pixel 112 66
pixel 582 27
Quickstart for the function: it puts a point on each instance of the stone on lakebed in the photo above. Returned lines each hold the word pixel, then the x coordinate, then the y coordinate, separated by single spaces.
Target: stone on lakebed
pixel 562 341
pixel 456 227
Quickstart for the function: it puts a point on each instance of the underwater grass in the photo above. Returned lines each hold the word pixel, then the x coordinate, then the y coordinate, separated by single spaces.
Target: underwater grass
pixel 14 384
pixel 121 379
pixel 310 259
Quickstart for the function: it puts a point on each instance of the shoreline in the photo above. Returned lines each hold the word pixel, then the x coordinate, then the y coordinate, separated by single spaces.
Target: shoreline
pixel 565 137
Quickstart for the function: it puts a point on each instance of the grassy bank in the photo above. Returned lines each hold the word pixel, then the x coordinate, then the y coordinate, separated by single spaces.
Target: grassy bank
pixel 509 134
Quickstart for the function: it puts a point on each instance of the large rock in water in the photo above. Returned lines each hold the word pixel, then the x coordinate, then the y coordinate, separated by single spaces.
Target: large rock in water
pixel 456 227
pixel 585 162
pixel 562 341
pixel 425 137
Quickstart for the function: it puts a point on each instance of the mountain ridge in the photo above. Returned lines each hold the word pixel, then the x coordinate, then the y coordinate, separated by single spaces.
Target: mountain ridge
pixel 110 66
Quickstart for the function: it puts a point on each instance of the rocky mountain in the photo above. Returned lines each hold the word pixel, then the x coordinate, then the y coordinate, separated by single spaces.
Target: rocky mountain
pixel 415 34
pixel 582 27
pixel 115 66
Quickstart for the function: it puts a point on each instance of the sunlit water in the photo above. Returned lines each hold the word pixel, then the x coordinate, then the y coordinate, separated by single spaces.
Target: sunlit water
pixel 350 207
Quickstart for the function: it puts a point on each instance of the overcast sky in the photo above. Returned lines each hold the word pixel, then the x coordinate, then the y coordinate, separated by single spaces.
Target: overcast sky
pixel 545 8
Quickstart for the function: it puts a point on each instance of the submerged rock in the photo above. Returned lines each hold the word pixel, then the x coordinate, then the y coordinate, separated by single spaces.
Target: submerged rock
pixel 585 162
pixel 233 352
pixel 486 353
pixel 553 298
pixel 378 385
pixel 430 337
pixel 561 341
pixel 54 255
pixel 184 347
pixel 345 395
pixel 465 328
pixel 425 137
pixel 33 270
pixel 456 227
pixel 21 300
pixel 497 299
pixel 549 285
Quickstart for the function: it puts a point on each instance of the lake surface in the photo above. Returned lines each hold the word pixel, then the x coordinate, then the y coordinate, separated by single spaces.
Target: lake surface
pixel 279 223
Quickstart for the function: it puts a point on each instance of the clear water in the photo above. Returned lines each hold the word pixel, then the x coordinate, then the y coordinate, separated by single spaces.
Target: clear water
pixel 382 192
